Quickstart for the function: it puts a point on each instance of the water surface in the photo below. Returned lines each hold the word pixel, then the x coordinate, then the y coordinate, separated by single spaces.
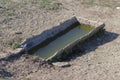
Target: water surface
pixel 59 43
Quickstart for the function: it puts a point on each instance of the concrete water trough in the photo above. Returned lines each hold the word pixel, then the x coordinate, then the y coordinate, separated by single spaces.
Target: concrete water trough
pixel 53 42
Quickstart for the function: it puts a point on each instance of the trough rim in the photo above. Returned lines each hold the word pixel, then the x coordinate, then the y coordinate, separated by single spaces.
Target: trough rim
pixel 96 27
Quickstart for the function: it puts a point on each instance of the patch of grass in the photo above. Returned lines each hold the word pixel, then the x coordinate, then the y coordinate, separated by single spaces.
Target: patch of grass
pixel 46 4
pixel 7 4
pixel 7 9
pixel 13 42
pixel 88 2
pixel 55 6
pixel 104 3
pixel 14 45
pixel 112 4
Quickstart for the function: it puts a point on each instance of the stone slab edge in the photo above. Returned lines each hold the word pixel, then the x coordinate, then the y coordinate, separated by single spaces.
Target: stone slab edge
pixel 32 42
pixel 37 39
pixel 97 26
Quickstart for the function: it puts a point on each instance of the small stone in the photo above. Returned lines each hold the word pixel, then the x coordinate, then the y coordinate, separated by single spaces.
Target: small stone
pixel 117 7
pixel 62 64
pixel 1 7
pixel 18 32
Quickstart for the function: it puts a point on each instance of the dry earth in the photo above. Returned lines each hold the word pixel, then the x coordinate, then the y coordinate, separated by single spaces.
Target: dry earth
pixel 99 59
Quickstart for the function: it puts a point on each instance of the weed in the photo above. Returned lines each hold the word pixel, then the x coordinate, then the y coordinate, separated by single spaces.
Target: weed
pixel 15 45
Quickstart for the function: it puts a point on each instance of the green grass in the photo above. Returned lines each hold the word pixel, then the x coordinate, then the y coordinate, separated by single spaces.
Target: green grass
pixel 8 4
pixel 104 3
pixel 13 44
pixel 46 4
pixel 88 2
pixel 9 7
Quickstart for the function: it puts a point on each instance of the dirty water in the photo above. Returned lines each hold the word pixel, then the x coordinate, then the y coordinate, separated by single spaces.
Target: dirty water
pixel 55 44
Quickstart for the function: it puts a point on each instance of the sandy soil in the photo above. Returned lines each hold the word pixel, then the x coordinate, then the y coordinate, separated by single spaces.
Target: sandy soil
pixel 98 61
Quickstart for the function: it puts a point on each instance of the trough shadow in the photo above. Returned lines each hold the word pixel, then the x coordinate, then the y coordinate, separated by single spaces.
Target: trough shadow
pixel 4 73
pixel 91 44
pixel 12 57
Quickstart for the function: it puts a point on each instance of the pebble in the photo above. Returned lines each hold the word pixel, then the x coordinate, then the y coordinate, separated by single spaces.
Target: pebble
pixel 118 8
pixel 18 32
pixel 61 64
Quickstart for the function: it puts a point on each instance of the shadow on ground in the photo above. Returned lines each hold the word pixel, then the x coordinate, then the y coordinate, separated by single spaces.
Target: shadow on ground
pixel 80 50
pixel 12 57
pixel 91 45
pixel 4 73
pixel 87 47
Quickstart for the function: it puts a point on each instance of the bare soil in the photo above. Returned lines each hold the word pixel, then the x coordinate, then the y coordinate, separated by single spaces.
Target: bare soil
pixel 99 59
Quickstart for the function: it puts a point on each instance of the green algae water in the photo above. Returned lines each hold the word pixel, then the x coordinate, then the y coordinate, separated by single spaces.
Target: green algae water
pixel 60 42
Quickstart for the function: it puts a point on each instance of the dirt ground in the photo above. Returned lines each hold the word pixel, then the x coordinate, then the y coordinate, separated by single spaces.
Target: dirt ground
pixel 99 59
